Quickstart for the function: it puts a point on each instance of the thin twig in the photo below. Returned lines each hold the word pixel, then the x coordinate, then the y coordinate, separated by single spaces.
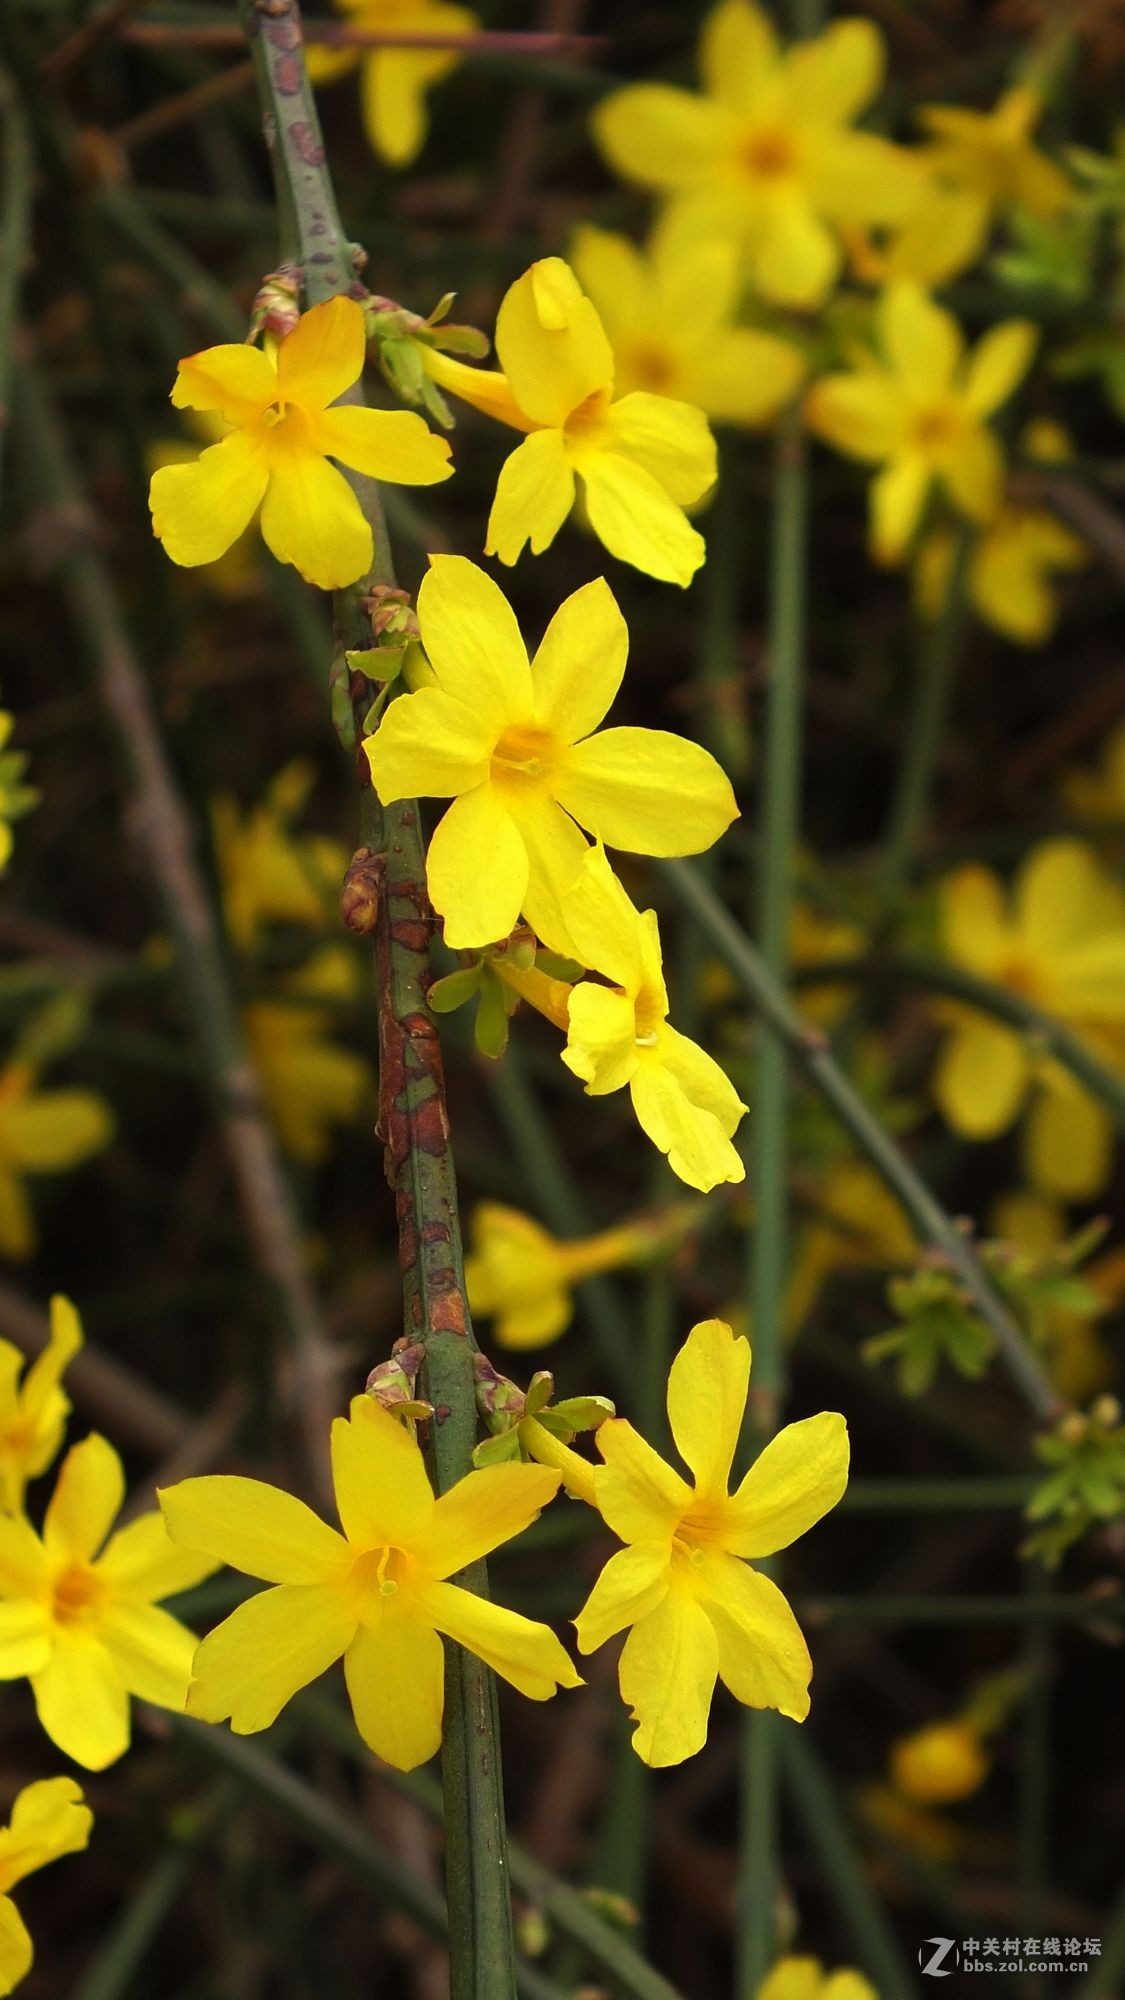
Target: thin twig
pixel 481 42
pixel 179 110
pixel 166 837
pixel 98 29
pixel 132 1412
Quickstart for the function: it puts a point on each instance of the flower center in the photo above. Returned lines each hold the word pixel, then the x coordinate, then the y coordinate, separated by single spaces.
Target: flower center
pixel 1020 975
pixel 768 154
pixel 937 428
pixel 585 426
pixel 377 1575
pixel 77 1594
pixel 650 366
pixel 523 756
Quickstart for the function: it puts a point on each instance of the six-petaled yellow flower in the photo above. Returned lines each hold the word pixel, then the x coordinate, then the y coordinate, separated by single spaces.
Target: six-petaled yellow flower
pixel 638 459
pixel 41 1132
pixel 670 312
pixel 82 1620
pixel 768 154
pixel 277 454
pixel 620 1035
pixel 513 745
pixel 49 1819
pixel 697 1610
pixel 991 155
pixel 921 409
pixel 394 81
pixel 33 1412
pixel 377 1596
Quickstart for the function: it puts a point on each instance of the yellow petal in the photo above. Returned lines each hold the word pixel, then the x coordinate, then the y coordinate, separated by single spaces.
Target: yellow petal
pixel 1061 898
pixel 534 495
pixel 254 1527
pixel 50 1818
pixel 199 511
pixel 613 274
pixel 551 343
pixel 669 1664
pixel 663 138
pixel 236 380
pixel 473 641
pixel 981 1079
pixel 601 1038
pixel 638 1495
pixel 939 1764
pixel 86 1501
pixel 393 100
pixel 639 523
pixel 856 177
pixel 484 1509
pixel 632 1584
pixel 25 1641
pixel 556 852
pixel 16 1951
pixel 81 1701
pixel 998 364
pixel 974 477
pixel 523 1651
pixel 152 1651
pixel 791 1485
pixel 312 519
pixel 701 1079
pixel 580 663
pixel 328 65
pixel 974 922
pixel 323 355
pixel 763 1658
pixel 23 1563
pixel 672 440
pixel 265 1652
pixel 742 376
pixel 898 496
pixel 429 746
pixel 394 445
pixel 859 414
pixel 922 341
pixel 1067 1145
pixel 143 1564
pixel 618 784
pixel 707 1387
pixel 55 1129
pixel 797 1979
pixel 477 870
pixel 794 256
pixel 737 52
pixel 697 1148
pixel 382 1489
pixel 395 1672
pixel 835 76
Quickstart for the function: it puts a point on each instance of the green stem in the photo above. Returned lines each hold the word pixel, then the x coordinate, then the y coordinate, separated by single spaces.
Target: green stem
pixel 829 1836
pixel 936 672
pixel 386 895
pixel 806 1046
pixel 121 1955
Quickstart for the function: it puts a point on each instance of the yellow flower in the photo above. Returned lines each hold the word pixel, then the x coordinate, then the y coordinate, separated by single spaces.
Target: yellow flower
pixel 85 1626
pixel 683 1584
pixel 1076 1353
pixel 670 312
pixel 1011 570
pixel 524 1278
pixel 33 1412
pixel 277 454
pixel 941 234
pixel 990 153
pixel 921 411
pixel 393 82
pixel 310 1082
pixel 1099 794
pixel 270 873
pixel 939 1764
pixel 767 155
pixel 513 746
pixel 806 1979
pixel 41 1132
pixel 857 1225
pixel 237 573
pixel 376 1596
pixel 16 798
pixel 639 459
pixel 1060 943
pixel 621 1034
pixel 49 1819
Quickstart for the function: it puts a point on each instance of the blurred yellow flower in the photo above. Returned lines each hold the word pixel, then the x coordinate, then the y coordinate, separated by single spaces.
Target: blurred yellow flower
pixel 620 1035
pixel 377 1596
pixel 1010 573
pixel 33 1412
pixel 856 1225
pixel 806 1979
pixel 85 1627
pixel 310 1082
pixel 767 155
pixel 1098 793
pixel 513 744
pixel 523 1277
pixel 1076 1353
pixel 939 1764
pixel 16 798
pixel 49 1819
pixel 270 873
pixel 41 1132
pixel 1059 942
pixel 921 410
pixel 277 454
pixel 991 154
pixel 393 81
pixel 683 1583
pixel 639 459
pixel 671 314
pixel 942 232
